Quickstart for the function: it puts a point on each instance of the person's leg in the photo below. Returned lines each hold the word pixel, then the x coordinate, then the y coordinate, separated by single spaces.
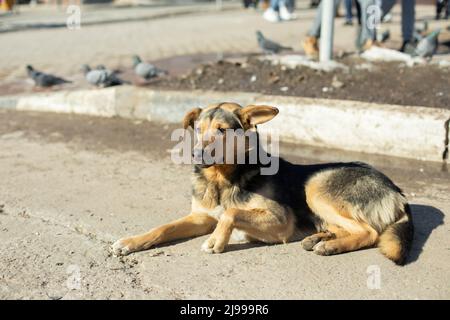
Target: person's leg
pixel 368 29
pixel 358 11
pixel 275 5
pixel 315 28
pixel 271 14
pixel 386 7
pixel 439 7
pixel 408 18
pixel 447 10
pixel 348 10
pixel 310 44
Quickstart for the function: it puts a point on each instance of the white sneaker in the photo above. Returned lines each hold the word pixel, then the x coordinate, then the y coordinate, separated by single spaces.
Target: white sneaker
pixel 286 15
pixel 271 15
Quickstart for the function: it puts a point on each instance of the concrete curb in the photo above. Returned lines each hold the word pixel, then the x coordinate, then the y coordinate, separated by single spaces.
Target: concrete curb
pixel 410 132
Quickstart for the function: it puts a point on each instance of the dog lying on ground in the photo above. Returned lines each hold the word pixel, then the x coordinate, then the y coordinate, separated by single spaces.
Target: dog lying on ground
pixel 348 206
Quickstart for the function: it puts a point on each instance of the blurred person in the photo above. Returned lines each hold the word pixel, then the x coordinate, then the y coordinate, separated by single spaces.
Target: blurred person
pixel 311 43
pixel 250 3
pixel 440 5
pixel 368 31
pixel 314 3
pixel 348 12
pixel 280 10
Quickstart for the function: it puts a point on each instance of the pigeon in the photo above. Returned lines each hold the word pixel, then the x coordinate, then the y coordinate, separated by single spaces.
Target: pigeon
pixel 268 46
pixel 101 77
pixel 146 70
pixel 44 80
pixel 420 32
pixel 427 47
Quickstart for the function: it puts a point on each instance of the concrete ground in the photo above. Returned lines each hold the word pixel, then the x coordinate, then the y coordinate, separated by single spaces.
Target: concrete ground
pixel 73 184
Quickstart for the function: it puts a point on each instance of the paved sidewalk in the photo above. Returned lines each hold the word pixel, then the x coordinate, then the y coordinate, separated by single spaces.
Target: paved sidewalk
pixel 62 51
pixel 48 16
pixel 72 184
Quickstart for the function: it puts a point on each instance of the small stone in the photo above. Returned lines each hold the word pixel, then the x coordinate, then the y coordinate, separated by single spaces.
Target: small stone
pixel 274 79
pixel 284 89
pixel 220 81
pixel 253 78
pixel 336 83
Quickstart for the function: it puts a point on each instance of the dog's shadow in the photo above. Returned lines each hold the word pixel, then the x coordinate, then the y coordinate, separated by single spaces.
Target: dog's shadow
pixel 425 220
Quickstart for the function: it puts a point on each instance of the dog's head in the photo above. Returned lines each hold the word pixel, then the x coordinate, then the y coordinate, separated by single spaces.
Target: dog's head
pixel 217 123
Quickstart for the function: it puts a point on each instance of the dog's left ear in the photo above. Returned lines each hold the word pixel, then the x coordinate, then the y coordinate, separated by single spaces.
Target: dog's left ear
pixel 191 117
pixel 254 115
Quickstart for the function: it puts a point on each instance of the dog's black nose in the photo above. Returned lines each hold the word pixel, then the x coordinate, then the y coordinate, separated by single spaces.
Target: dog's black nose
pixel 197 155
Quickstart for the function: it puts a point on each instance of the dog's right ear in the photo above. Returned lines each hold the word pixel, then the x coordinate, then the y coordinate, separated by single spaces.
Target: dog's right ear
pixel 191 117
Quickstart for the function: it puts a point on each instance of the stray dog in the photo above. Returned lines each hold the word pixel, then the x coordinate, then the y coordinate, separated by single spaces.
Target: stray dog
pixel 348 206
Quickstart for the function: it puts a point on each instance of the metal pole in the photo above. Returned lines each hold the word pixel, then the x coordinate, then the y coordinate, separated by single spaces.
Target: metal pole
pixel 327 30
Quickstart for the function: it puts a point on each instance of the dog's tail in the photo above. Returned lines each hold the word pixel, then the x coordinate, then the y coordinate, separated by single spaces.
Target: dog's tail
pixel 395 242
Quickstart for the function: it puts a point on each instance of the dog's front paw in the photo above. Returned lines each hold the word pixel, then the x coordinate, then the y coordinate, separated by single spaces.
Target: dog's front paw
pixel 212 246
pixel 324 249
pixel 121 247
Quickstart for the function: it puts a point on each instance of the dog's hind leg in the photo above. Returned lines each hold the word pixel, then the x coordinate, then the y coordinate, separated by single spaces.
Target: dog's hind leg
pixel 344 233
pixel 193 225
pixel 309 242
pixel 351 242
pixel 259 224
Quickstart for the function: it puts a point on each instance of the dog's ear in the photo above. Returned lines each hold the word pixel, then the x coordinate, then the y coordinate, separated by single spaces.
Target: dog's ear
pixel 191 117
pixel 254 115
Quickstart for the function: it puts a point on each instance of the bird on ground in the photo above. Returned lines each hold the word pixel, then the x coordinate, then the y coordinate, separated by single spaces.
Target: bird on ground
pixel 101 77
pixel 427 47
pixel 44 80
pixel 146 70
pixel 420 32
pixel 269 46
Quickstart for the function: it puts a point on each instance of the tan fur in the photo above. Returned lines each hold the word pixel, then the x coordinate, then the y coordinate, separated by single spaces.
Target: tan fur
pixel 257 223
pixel 195 224
pixel 232 107
pixel 337 215
pixel 257 114
pixel 221 206
pixel 190 118
pixel 389 243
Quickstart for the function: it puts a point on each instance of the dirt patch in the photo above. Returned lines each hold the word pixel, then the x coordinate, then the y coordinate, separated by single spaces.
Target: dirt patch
pixel 392 83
